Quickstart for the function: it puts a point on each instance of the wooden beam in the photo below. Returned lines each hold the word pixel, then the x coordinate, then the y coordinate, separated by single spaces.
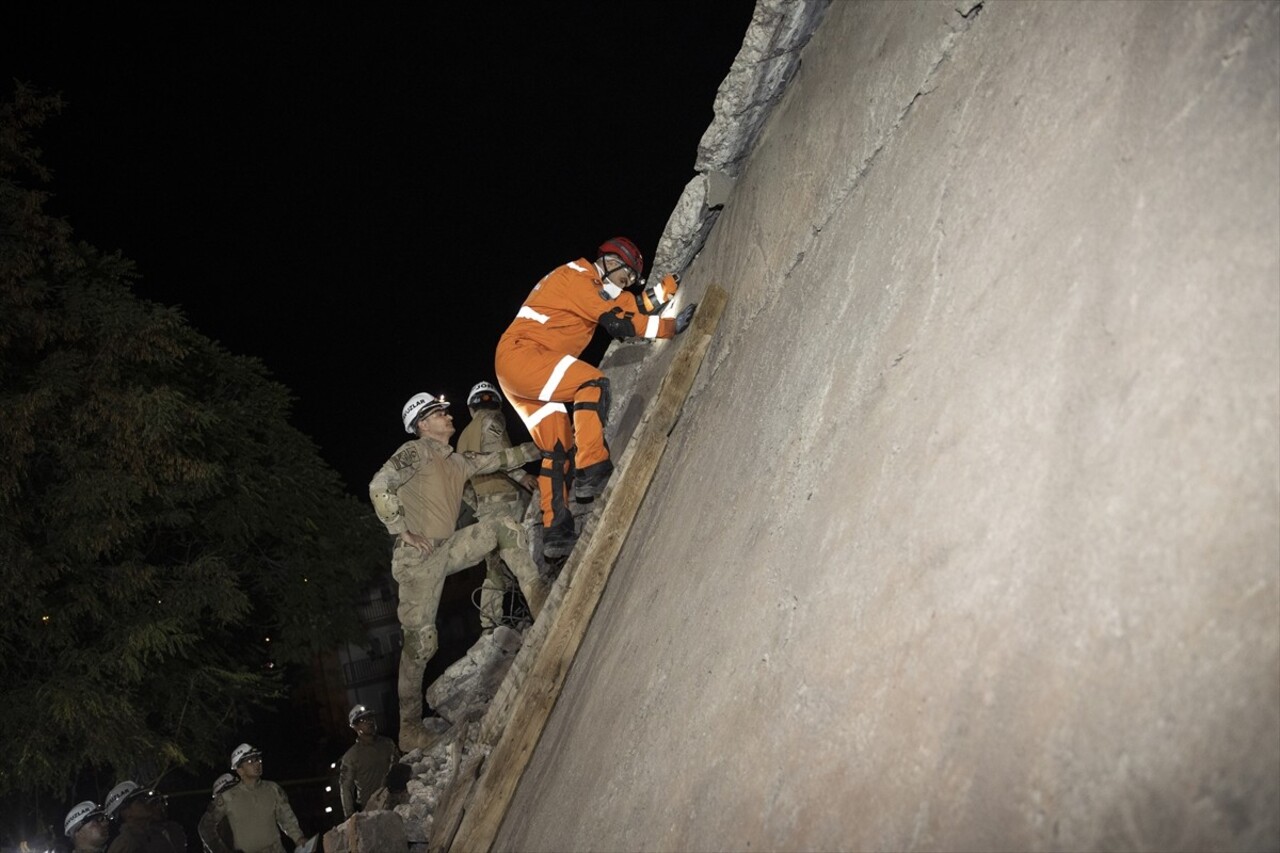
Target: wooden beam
pixel 491 793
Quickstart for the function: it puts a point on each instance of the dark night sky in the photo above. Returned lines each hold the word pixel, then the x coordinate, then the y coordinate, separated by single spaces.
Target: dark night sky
pixel 363 197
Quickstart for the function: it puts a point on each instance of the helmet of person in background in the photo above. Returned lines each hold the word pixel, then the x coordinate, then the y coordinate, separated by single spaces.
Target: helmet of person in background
pixel 80 813
pixel 419 405
pixel 118 795
pixel 358 713
pixel 483 393
pixel 626 251
pixel 223 782
pixel 243 752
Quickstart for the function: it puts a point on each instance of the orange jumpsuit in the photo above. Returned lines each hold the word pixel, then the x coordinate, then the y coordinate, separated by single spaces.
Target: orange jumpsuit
pixel 538 369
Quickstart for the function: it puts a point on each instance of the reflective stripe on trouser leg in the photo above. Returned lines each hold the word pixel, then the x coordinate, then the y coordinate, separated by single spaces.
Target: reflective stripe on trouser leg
pixel 549 388
pixel 531 375
pixel 548 426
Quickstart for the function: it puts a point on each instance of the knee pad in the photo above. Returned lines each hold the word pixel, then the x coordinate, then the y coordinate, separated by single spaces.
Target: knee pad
pixel 601 408
pixel 421 644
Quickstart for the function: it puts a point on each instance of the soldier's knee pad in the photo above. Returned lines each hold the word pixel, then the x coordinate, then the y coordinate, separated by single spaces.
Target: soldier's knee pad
pixel 422 643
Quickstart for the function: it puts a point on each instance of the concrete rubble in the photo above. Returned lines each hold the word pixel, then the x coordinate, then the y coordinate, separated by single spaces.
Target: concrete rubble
pixel 462 695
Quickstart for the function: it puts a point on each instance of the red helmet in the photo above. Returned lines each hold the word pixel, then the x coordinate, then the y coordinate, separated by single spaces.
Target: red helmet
pixel 625 249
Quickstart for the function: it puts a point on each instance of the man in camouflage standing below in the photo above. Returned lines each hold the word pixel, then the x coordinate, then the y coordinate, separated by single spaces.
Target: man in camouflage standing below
pixel 417 494
pixel 256 810
pixel 365 765
pixel 496 493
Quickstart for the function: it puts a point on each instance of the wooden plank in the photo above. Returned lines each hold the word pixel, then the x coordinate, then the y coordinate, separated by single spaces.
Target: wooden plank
pixel 449 810
pixel 491 794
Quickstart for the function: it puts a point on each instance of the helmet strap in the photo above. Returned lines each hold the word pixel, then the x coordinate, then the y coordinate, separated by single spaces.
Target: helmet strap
pixel 602 266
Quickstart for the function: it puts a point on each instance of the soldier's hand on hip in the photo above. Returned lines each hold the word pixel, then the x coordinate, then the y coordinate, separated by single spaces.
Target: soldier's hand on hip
pixel 422 543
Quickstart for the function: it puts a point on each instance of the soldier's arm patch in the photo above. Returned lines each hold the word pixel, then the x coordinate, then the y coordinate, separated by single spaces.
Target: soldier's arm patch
pixel 405 458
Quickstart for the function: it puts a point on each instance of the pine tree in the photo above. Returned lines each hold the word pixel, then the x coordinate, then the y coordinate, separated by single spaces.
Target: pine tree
pixel 159 517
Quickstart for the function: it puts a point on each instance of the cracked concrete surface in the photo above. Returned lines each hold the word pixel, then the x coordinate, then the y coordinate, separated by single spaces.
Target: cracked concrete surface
pixel 969 535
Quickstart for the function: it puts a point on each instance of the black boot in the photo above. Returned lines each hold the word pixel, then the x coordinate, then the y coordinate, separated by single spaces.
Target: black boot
pixel 590 481
pixel 558 539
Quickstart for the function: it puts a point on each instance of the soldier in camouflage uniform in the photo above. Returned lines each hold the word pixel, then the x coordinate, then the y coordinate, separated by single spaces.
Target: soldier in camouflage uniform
pixel 364 766
pixel 256 809
pixel 494 494
pixel 417 494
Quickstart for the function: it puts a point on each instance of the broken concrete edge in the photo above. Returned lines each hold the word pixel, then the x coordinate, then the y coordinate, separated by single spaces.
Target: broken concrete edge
pixel 757 77
pixel 367 832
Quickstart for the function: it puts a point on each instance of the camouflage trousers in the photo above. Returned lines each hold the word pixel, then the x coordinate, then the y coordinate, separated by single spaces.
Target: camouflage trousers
pixel 497 582
pixel 421 581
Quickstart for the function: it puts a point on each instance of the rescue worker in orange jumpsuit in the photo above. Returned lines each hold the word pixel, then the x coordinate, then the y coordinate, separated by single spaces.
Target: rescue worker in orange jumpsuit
pixel 564 402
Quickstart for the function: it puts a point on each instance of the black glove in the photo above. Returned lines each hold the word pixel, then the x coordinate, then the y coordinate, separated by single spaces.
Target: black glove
pixel 685 317
pixel 617 324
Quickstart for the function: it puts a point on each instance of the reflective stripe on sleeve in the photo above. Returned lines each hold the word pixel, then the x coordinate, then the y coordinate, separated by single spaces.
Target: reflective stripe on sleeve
pixel 651 326
pixel 529 314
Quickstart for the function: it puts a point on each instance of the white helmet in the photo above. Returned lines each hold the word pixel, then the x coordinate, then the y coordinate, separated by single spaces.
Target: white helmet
pixel 242 752
pixel 358 712
pixel 223 782
pixel 479 390
pixel 419 405
pixel 117 795
pixel 80 813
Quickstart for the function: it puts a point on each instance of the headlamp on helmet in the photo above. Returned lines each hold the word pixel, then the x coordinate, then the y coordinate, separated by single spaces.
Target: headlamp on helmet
pixel 119 795
pixel 223 782
pixel 79 815
pixel 420 405
pixel 484 396
pixel 358 713
pixel 243 753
